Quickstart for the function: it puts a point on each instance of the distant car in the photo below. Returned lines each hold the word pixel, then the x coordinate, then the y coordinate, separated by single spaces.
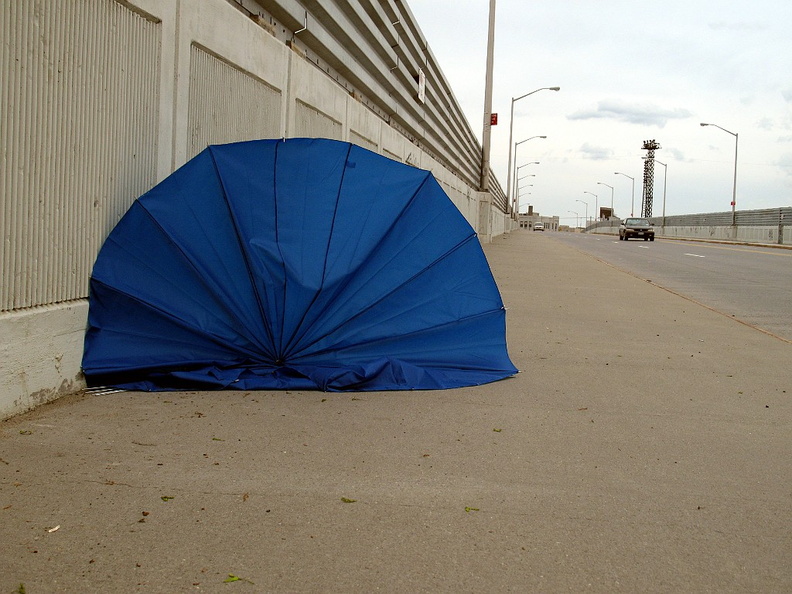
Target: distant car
pixel 538 227
pixel 640 228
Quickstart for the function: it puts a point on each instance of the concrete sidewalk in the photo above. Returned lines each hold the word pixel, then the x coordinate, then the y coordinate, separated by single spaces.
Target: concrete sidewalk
pixel 645 447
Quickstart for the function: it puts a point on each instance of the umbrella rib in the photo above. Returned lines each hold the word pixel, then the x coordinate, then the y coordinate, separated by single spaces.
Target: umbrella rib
pixel 189 262
pixel 279 347
pixel 394 289
pixel 368 257
pixel 180 321
pixel 385 339
pixel 245 255
pixel 294 337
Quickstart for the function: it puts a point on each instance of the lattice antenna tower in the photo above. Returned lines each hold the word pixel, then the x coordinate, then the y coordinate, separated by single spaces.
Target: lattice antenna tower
pixel 648 183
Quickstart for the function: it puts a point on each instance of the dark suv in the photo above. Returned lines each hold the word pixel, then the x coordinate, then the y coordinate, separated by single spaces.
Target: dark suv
pixel 636 228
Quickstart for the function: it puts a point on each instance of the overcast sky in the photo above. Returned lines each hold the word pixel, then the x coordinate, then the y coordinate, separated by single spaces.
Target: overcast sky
pixel 628 71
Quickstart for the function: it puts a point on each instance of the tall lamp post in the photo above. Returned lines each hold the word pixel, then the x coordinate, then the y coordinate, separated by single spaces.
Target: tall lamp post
pixel 487 133
pixel 596 203
pixel 516 144
pixel 511 130
pixel 734 187
pixel 517 171
pixel 520 195
pixel 577 219
pixel 586 203
pixel 524 165
pixel 611 187
pixel 632 203
pixel 519 179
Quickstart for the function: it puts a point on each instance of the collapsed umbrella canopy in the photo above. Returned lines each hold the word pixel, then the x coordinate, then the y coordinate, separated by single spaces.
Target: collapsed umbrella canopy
pixel 297 264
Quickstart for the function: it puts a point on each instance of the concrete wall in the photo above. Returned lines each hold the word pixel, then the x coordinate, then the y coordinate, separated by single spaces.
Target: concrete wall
pixel 107 97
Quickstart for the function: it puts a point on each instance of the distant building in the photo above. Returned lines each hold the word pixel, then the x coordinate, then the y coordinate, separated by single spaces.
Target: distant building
pixel 527 220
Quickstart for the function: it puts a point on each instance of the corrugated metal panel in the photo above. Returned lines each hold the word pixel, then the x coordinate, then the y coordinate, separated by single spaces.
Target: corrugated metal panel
pixel 80 107
pixel 310 122
pixel 228 104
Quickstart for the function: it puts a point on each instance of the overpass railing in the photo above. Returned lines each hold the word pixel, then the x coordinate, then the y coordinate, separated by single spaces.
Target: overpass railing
pixel 766 225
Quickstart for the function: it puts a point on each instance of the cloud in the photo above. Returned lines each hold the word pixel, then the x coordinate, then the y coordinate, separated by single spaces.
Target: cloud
pixel 738 26
pixel 765 124
pixel 677 154
pixel 596 153
pixel 635 113
pixel 785 163
pixel 787 95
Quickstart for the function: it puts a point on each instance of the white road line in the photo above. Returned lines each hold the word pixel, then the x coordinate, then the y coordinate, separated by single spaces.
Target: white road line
pixel 695 255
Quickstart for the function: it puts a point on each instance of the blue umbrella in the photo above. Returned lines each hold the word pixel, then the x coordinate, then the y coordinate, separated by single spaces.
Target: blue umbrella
pixel 294 264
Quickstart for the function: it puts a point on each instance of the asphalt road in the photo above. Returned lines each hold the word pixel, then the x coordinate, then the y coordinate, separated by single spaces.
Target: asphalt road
pixel 751 284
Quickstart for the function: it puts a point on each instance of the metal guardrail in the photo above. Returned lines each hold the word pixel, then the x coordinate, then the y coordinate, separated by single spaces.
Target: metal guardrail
pixel 762 217
pixel 754 218
pixel 704 225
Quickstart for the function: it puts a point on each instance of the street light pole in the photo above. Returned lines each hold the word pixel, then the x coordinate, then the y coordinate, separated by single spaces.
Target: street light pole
pixel 577 219
pixel 487 134
pixel 734 186
pixel 596 203
pixel 516 144
pixel 611 188
pixel 632 204
pixel 586 203
pixel 518 178
pixel 511 130
pixel 525 165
